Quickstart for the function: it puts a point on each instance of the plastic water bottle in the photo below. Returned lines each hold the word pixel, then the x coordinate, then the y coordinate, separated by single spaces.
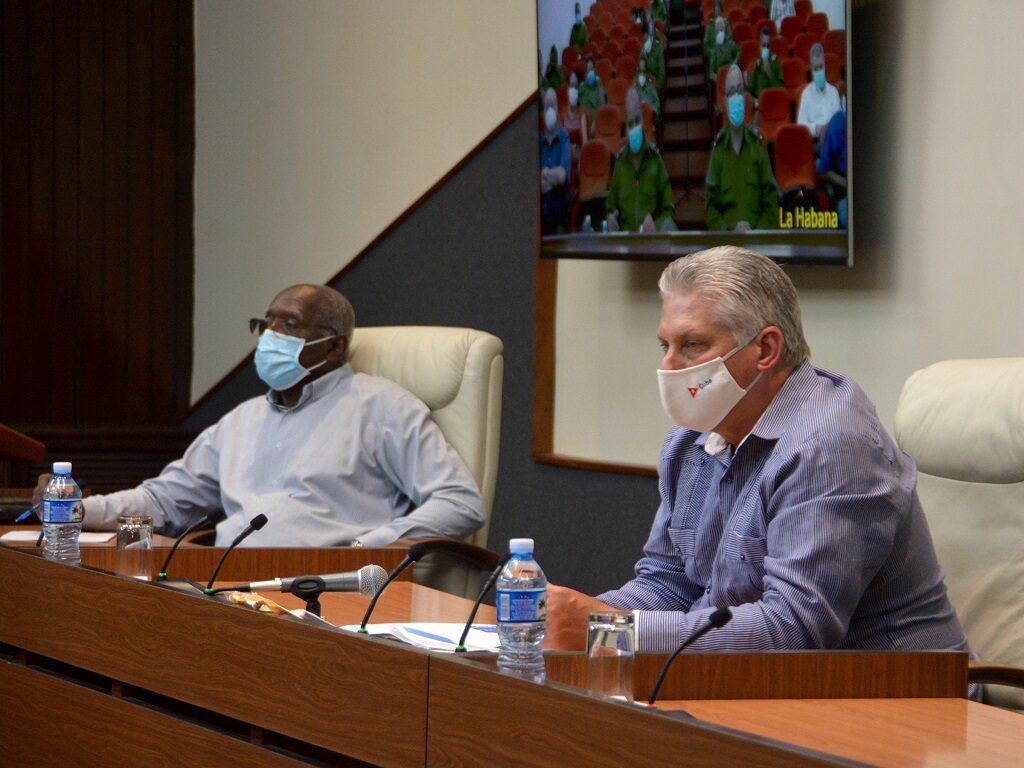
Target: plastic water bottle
pixel 62 514
pixel 587 226
pixel 522 612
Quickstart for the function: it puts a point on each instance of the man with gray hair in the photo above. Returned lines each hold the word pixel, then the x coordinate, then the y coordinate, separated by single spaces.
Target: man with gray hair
pixel 819 99
pixel 782 497
pixel 330 456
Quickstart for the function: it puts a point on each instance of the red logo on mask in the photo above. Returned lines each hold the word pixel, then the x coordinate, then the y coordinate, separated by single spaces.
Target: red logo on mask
pixel 693 391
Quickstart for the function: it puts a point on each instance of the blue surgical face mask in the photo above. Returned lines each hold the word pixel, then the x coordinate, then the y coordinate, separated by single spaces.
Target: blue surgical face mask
pixel 636 138
pixel 765 52
pixel 819 79
pixel 737 107
pixel 579 17
pixel 591 77
pixel 277 359
pixel 647 45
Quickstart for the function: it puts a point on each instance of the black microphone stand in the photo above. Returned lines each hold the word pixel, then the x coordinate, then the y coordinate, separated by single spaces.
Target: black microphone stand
pixel 461 647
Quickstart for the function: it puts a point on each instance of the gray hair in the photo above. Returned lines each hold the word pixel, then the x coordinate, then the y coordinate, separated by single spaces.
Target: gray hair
pixel 816 52
pixel 749 291
pixel 335 314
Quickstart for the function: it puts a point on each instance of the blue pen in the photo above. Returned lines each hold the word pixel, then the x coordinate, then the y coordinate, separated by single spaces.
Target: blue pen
pixel 26 513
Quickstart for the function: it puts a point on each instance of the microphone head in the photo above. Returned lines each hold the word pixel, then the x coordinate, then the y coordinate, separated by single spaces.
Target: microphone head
pixel 720 618
pixel 416 551
pixel 216 516
pixel 371 577
pixel 258 522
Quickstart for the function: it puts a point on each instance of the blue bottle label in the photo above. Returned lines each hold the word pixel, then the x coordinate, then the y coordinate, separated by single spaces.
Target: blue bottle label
pixel 63 511
pixel 522 605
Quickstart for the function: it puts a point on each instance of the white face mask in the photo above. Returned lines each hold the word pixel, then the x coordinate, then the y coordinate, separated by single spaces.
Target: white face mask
pixel 719 38
pixel 550 118
pixel 574 96
pixel 699 397
pixel 642 80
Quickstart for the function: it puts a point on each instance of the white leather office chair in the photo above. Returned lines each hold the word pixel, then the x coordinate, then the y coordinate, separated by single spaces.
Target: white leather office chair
pixel 457 373
pixel 963 423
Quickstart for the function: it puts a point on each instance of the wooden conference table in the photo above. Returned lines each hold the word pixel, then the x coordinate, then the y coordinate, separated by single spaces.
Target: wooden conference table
pixel 100 669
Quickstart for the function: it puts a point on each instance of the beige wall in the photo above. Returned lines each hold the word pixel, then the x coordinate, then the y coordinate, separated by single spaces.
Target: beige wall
pixel 319 122
pixel 939 272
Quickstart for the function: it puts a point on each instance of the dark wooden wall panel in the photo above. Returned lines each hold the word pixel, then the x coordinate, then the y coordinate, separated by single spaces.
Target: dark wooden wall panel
pixel 96 156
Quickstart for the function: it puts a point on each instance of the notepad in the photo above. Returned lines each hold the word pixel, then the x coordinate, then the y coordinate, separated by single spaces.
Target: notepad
pixel 437 636
pixel 87 537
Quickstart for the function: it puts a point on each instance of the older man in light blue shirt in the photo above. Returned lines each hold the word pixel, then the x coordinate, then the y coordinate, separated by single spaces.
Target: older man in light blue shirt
pixel 330 456
pixel 782 497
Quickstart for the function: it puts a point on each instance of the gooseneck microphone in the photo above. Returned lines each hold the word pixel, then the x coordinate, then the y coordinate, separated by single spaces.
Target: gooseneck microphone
pixel 213 517
pixel 719 618
pixel 254 525
pixel 461 647
pixel 482 558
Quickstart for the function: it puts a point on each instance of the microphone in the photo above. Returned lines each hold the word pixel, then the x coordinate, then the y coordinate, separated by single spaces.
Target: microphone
pixel 716 620
pixel 482 558
pixel 461 647
pixel 254 525
pixel 213 517
pixel 365 581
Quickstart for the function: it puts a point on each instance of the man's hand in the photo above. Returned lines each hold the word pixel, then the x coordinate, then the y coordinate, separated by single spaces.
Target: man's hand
pixel 648 224
pixel 613 221
pixel 567 618
pixel 37 492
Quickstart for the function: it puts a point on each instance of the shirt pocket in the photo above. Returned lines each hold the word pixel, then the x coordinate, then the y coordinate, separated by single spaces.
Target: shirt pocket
pixel 743 568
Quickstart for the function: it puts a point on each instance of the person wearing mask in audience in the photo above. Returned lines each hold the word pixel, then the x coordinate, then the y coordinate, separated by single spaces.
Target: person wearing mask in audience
pixel 780 10
pixel 654 49
pixel 782 496
pixel 575 119
pixel 645 88
pixel 640 192
pixel 831 163
pixel 723 52
pixel 554 167
pixel 578 35
pixel 711 30
pixel 658 11
pixel 553 77
pixel 741 193
pixel 819 99
pixel 330 456
pixel 591 92
pixel 767 71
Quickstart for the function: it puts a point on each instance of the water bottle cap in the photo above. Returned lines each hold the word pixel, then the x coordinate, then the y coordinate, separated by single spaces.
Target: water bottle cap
pixel 520 546
pixel 62 467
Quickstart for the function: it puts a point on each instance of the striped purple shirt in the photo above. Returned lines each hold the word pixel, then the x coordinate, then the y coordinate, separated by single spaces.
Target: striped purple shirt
pixel 811 532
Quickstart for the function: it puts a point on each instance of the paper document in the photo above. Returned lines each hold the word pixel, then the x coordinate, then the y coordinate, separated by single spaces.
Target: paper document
pixel 88 537
pixel 436 636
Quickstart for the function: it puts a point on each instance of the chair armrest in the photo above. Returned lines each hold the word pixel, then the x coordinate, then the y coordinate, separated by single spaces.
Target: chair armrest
pixel 995 674
pixel 478 556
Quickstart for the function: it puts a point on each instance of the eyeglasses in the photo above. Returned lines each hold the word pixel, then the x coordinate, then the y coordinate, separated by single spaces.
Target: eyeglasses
pixel 257 326
pixel 734 91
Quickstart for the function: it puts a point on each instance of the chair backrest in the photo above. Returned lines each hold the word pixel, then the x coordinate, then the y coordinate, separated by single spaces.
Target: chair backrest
pixel 595 168
pixel 615 93
pixel 794 157
pixel 569 57
pixel 734 17
pixel 834 41
pixel 625 69
pixel 608 127
pixel 631 47
pixel 833 68
pixel 562 98
pixel 755 14
pixel 817 25
pixel 962 421
pixel 457 373
pixel 773 112
pixel 780 46
pixel 803 8
pixel 648 118
pixel 750 51
pixel 802 46
pixel 791 27
pixel 603 69
pixel 742 32
pixel 794 77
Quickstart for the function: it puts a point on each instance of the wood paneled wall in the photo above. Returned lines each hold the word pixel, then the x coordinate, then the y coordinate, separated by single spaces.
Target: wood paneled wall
pixel 96 169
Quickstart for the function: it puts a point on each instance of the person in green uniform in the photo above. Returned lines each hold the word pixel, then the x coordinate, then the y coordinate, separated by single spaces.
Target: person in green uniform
pixel 658 11
pixel 578 35
pixel 654 50
pixel 741 193
pixel 640 193
pixel 723 52
pixel 767 72
pixel 645 90
pixel 553 74
pixel 710 30
pixel 591 95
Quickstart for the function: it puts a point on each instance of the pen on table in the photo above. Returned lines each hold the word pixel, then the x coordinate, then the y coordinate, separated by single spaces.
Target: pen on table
pixel 27 512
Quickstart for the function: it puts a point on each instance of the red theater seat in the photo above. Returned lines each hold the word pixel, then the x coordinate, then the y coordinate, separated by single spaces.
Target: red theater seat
pixel 791 27
pixel 780 47
pixel 595 169
pixel 773 112
pixel 625 68
pixel 835 42
pixel 569 57
pixel 735 16
pixel 750 51
pixel 794 77
pixel 803 8
pixel 742 32
pixel 833 69
pixel 631 48
pixel 817 25
pixel 608 127
pixel 611 50
pixel 794 158
pixel 802 46
pixel 603 69
pixel 615 92
pixel 648 121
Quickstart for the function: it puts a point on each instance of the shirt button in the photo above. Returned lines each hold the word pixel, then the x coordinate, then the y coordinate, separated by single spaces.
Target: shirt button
pixel 743 557
pixel 278 446
pixel 707 591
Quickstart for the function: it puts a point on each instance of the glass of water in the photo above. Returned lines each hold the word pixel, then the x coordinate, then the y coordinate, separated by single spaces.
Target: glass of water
pixel 610 650
pixel 135 546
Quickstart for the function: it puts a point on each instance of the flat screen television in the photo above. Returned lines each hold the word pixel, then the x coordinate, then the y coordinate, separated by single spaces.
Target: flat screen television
pixel 666 127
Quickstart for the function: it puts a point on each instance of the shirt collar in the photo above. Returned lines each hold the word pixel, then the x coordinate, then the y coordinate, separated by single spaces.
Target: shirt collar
pixel 314 390
pixel 778 416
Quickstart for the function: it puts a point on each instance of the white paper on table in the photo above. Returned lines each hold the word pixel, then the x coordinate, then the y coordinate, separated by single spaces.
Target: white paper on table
pixel 87 537
pixel 436 636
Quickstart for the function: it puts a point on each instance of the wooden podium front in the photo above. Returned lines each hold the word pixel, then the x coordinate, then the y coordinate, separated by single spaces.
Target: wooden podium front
pixel 99 669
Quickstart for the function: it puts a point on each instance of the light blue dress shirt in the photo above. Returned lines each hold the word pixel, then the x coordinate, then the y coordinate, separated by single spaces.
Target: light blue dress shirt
pixel 812 533
pixel 357 457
